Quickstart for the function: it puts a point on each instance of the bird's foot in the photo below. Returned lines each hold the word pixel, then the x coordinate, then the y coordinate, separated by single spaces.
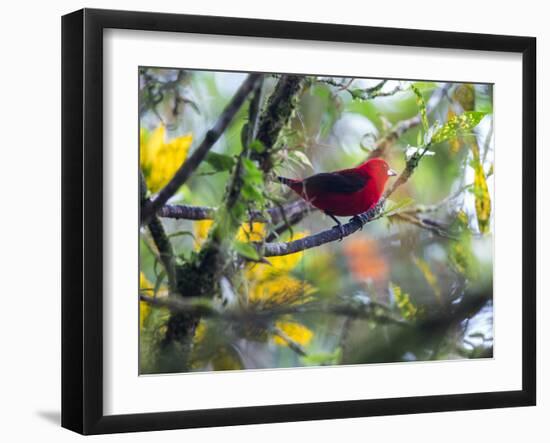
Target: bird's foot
pixel 357 219
pixel 341 229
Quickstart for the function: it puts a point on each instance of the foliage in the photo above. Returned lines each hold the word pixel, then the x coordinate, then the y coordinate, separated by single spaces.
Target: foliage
pixel 480 191
pixel 375 296
pixel 403 301
pixel 458 124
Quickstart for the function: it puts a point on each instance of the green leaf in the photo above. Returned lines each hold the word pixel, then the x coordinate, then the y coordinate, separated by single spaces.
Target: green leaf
pixel 252 172
pixel 403 301
pixel 481 193
pixel 253 194
pixel 358 94
pixel 253 184
pixel 422 106
pixel 246 250
pixel 220 162
pixel 457 125
pixel 257 146
pixel 323 358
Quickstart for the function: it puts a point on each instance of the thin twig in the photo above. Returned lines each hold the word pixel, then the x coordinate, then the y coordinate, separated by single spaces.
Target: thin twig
pixel 432 208
pixel 211 137
pixel 287 225
pixel 205 308
pixel 427 224
pixel 291 343
pixel 403 126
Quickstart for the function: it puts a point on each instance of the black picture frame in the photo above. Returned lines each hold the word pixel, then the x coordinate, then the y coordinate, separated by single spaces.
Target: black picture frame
pixel 82 219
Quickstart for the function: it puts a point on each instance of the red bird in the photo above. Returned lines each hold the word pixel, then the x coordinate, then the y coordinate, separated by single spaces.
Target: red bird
pixel 347 192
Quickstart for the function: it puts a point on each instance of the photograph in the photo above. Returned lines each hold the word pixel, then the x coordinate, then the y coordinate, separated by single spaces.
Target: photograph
pixel 298 220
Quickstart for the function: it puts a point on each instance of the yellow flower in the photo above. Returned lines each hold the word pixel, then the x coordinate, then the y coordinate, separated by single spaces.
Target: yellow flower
pixel 249 232
pixel 201 228
pixel 200 332
pixel 147 288
pixel 276 265
pixel 271 284
pixel 245 233
pixel 296 332
pixel 144 309
pixel 406 307
pixel 268 285
pixel 159 159
pixel 279 290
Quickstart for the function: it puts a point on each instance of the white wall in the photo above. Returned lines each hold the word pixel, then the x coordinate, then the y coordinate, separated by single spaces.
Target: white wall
pixel 30 240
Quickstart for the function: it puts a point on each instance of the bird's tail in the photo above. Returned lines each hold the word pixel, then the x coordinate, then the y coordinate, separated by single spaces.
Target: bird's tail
pixel 287 181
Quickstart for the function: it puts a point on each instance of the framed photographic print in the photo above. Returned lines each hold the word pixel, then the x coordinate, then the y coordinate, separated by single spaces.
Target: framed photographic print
pixel 271 221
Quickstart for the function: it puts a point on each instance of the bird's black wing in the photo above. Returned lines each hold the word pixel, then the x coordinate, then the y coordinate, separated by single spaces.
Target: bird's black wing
pixel 343 182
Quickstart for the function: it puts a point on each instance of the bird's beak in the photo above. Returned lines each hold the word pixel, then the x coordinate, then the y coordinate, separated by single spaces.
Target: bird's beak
pixel 391 172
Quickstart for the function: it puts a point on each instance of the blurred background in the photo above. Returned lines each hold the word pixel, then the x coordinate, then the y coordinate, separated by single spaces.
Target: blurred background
pixel 414 285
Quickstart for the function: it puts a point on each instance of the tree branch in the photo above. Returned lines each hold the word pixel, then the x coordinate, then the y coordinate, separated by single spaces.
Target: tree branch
pixel 356 223
pixel 427 224
pixel 361 94
pixel 164 247
pixel 212 136
pixel 403 126
pixel 274 215
pixel 425 329
pixel 380 148
pixel 205 308
pixel 276 115
pixel 293 211
pixel 471 303
pixel 297 210
pixel 327 236
pixel 214 256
